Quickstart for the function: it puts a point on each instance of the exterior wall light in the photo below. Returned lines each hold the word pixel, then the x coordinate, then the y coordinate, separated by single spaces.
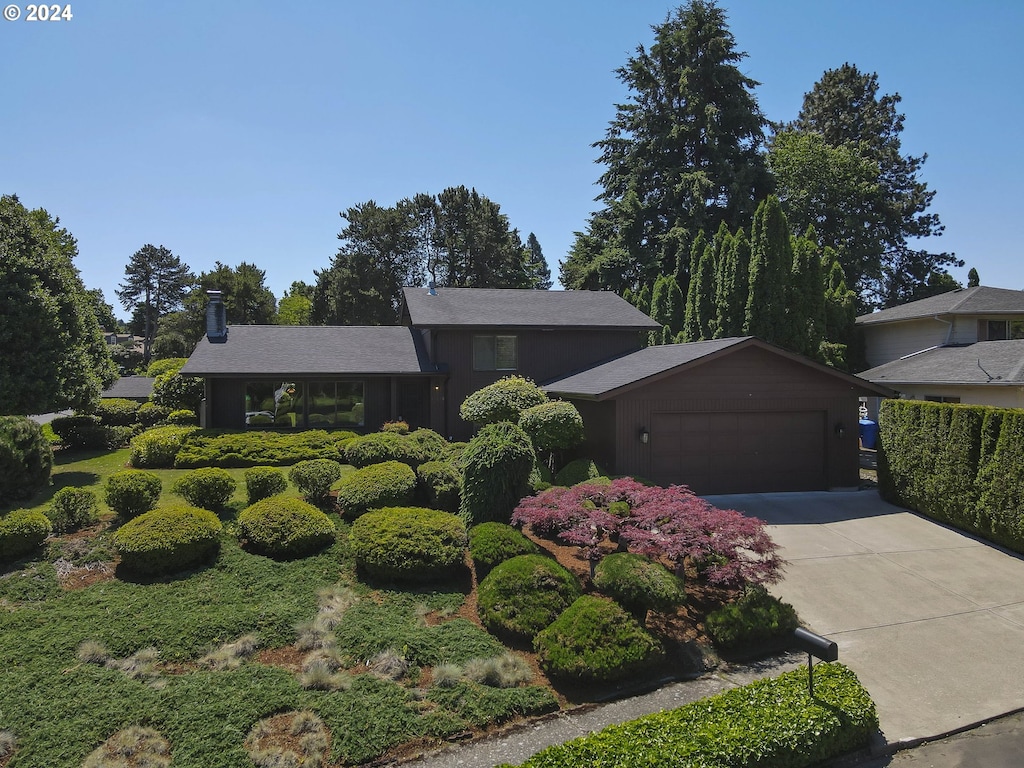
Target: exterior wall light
pixel 840 430
pixel 645 436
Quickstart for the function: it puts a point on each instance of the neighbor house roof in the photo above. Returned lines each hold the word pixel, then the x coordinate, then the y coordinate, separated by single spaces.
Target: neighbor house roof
pixel 509 307
pixel 130 388
pixel 980 300
pixel 989 363
pixel 296 350
pixel 651 363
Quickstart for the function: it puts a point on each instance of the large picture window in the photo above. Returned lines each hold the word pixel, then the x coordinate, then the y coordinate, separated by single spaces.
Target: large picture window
pixel 294 404
pixel 495 353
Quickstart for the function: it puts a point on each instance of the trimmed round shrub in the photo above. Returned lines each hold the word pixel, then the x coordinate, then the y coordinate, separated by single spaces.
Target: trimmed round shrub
pixel 21 531
pixel 553 426
pixel 523 595
pixel 756 622
pixel 577 471
pixel 388 484
pixel 440 484
pixel 398 427
pixel 497 465
pixel 408 543
pixel 158 447
pixel 284 528
pixel 72 508
pixel 183 417
pixel 595 641
pixel 165 365
pixel 503 400
pixel 639 584
pixel 117 411
pixel 131 492
pixel 150 414
pixel 430 445
pixel 26 458
pixel 379 447
pixel 209 487
pixel 494 543
pixel 264 482
pixel 314 477
pixel 85 432
pixel 168 539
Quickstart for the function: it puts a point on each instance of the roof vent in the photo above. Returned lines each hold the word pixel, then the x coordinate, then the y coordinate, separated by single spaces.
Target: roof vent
pixel 431 288
pixel 216 319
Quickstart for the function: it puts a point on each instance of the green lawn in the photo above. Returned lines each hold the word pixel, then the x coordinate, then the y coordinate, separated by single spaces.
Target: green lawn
pixel 59 707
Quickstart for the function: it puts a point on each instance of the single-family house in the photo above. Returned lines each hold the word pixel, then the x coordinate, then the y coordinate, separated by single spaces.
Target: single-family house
pixel 732 415
pixel 963 346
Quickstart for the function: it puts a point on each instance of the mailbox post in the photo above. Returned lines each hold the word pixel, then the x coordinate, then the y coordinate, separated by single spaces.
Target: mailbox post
pixel 814 646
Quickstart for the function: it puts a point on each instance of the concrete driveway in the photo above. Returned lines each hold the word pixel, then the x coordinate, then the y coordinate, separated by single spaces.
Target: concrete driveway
pixel 930 619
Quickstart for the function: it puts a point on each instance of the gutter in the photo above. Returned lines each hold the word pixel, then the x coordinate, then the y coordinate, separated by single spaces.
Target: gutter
pixel 949 332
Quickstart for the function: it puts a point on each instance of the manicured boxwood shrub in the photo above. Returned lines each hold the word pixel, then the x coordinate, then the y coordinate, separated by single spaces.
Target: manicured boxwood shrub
pixel 522 596
pixel 494 543
pixel 388 484
pixel 183 417
pixel 131 492
pixel 208 487
pixel 408 543
pixel 638 584
pixel 578 471
pixel 553 426
pixel 430 445
pixel 503 400
pixel 26 458
pixel 770 723
pixel 264 482
pixel 168 539
pixel 21 531
pixel 285 528
pixel 440 484
pixel 157 448
pixel 213 448
pixel 497 466
pixel 379 447
pixel 117 411
pixel 594 640
pixel 314 478
pixel 756 624
pixel 72 508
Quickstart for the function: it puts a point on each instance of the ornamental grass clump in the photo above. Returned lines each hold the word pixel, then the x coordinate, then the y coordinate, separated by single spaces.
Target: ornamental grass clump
pixel 522 596
pixel 209 487
pixel 285 528
pixel 408 543
pixel 388 484
pixel 131 492
pixel 168 539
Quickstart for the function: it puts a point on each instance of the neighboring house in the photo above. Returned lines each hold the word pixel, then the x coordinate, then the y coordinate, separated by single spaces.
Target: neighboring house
pixel 733 415
pixel 964 346
pixel 126 340
pixel 131 388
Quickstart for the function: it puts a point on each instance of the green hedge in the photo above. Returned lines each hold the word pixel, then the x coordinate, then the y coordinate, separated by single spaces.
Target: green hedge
pixel 961 464
pixel 388 484
pixel 117 411
pixel 408 543
pixel 168 539
pixel 770 723
pixel 87 432
pixel 21 531
pixel 211 448
pixel 157 448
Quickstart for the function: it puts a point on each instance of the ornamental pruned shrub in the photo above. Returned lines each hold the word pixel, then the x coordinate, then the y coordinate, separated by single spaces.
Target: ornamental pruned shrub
pixel 117 411
pixel 131 492
pixel 555 425
pixel 578 471
pixel 72 508
pixel 388 484
pixel 595 641
pixel 314 477
pixel 638 584
pixel 168 539
pixel 408 543
pixel 756 623
pixel 440 484
pixel 87 432
pixel 379 447
pixel 206 448
pixel 209 487
pixel 504 400
pixel 21 531
pixel 494 543
pixel 497 466
pixel 264 482
pixel 430 445
pixel 26 459
pixel 523 595
pixel 726 547
pixel 157 448
pixel 285 528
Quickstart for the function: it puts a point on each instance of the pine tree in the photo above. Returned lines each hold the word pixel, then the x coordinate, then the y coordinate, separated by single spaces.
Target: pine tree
pixel 973 280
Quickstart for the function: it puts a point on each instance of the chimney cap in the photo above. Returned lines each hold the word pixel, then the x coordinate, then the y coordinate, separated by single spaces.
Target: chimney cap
pixel 214 295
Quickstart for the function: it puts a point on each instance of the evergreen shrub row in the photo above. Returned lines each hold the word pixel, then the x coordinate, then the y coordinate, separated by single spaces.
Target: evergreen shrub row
pixel 960 464
pixel 88 432
pixel 770 723
pixel 212 448
pixel 158 447
pixel 413 448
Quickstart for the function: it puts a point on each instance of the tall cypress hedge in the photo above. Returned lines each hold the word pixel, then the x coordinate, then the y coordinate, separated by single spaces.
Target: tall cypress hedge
pixel 961 464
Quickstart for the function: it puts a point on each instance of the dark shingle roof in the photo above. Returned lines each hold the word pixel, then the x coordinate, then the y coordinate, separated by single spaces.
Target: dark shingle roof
pixel 508 307
pixel 980 300
pixel 131 388
pixel 314 350
pixel 993 363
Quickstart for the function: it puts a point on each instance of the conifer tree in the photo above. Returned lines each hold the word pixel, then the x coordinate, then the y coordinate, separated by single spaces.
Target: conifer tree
pixel 734 286
pixel 771 261
pixel 973 280
pixel 701 315
pixel 806 305
pixel 667 304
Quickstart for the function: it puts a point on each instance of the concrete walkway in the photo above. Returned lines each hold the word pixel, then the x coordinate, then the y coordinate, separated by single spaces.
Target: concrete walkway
pixel 930 619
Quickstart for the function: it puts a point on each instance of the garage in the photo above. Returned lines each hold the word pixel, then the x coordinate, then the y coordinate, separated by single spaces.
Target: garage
pixel 722 416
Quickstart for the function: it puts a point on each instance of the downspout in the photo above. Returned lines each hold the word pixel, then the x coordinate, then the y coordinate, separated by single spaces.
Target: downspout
pixel 949 331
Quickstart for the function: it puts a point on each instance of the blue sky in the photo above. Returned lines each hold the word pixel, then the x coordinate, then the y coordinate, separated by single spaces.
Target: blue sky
pixel 239 130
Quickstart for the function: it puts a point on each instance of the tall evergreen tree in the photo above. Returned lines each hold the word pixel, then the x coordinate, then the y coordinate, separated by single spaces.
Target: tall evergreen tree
pixel 537 270
pixel 158 281
pixel 701 314
pixel 667 306
pixel 806 304
pixel 973 280
pixel 840 314
pixel 771 261
pixel 734 287
pixel 681 155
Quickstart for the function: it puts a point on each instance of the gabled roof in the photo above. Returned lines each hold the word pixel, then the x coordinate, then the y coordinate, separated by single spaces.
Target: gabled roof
pixel 988 363
pixel 130 387
pixel 296 350
pixel 980 300
pixel 510 307
pixel 651 363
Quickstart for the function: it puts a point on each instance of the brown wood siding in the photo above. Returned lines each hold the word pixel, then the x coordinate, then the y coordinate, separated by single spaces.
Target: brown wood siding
pixel 542 356
pixel 600 443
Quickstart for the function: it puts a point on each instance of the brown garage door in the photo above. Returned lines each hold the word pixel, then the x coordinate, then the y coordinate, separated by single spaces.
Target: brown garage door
pixel 740 452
